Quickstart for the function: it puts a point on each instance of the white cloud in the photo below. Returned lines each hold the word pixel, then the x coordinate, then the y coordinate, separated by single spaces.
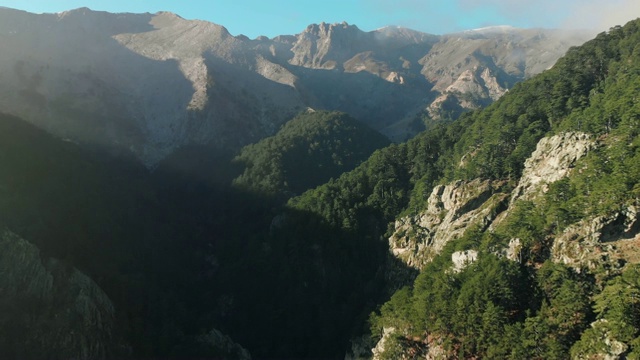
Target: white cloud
pixel 601 15
pixel 598 15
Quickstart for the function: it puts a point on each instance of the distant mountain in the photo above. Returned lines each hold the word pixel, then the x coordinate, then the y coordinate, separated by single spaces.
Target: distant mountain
pixel 152 83
pixel 521 219
pixel 512 232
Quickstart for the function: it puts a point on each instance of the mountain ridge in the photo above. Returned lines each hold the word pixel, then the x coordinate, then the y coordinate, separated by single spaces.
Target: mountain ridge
pixel 151 83
pixel 509 233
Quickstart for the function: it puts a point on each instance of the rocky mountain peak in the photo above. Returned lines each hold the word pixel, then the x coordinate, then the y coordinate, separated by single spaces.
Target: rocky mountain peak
pixel 326 29
pixel 326 46
pixel 150 83
pixel 454 208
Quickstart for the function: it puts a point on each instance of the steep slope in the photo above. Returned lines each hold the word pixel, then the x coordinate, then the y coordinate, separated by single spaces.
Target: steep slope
pixel 494 206
pixel 117 224
pixel 308 151
pixel 49 308
pixel 152 83
pixel 137 83
pixel 571 223
pixel 472 69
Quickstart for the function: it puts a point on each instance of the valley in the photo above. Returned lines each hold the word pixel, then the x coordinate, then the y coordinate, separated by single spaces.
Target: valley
pixel 169 190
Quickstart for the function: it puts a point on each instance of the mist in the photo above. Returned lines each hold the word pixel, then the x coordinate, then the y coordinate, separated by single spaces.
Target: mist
pixel 596 15
pixel 439 17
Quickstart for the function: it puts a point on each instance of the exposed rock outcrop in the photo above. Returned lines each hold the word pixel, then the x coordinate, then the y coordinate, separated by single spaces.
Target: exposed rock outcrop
pixel 608 348
pixel 455 208
pixel 461 259
pixel 552 160
pixel 51 310
pixel 152 83
pixel 594 241
pixel 395 345
pixel 452 209
pixel 379 349
pixel 513 251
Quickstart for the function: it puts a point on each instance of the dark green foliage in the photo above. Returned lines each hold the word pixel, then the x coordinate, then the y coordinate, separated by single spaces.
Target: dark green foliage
pixel 308 151
pixel 492 308
pixel 57 195
pixel 379 189
pixel 471 308
pixel 182 255
pixel 618 313
pixel 480 312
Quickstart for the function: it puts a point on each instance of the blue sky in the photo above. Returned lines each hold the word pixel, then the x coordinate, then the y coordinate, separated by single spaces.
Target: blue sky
pixel 276 17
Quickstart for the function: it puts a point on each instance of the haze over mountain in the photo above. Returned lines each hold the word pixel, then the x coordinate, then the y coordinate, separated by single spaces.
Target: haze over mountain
pixel 151 83
pixel 509 233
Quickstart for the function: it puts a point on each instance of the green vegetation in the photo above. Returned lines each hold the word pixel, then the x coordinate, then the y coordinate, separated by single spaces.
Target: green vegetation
pixel 479 312
pixel 308 151
pixel 181 255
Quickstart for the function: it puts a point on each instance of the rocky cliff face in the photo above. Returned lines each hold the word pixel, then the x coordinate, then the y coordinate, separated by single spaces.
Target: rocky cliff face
pixel 50 309
pixel 552 160
pixel 602 240
pixel 451 210
pixel 151 83
pixel 480 204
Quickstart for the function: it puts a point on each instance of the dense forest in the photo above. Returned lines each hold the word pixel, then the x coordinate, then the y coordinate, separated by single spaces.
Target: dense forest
pixel 308 151
pixel 535 308
pixel 179 255
pixel 289 257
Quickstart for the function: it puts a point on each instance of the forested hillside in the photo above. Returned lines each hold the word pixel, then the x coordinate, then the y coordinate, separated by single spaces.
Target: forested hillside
pixel 509 233
pixel 308 151
pixel 179 261
pixel 541 303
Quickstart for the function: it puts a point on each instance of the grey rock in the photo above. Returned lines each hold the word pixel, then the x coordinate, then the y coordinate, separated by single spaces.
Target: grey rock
pixel 552 160
pixel 588 242
pixel 151 83
pixel 461 259
pixel 452 209
pixel 49 309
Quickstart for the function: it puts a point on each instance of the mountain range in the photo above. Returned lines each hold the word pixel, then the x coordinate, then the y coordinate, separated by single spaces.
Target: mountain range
pixel 171 191
pixel 148 84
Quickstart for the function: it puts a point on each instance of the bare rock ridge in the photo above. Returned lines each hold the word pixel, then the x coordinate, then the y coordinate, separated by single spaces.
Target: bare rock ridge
pixel 451 210
pixel 48 307
pixel 481 204
pixel 63 311
pixel 575 246
pixel 151 83
pixel 605 241
pixel 455 208
pixel 552 160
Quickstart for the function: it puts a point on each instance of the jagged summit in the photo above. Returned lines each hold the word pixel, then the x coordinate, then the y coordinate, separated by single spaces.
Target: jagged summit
pixel 152 83
pixel 326 27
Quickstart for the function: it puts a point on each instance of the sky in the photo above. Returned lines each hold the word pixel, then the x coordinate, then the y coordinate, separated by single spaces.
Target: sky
pixel 287 17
